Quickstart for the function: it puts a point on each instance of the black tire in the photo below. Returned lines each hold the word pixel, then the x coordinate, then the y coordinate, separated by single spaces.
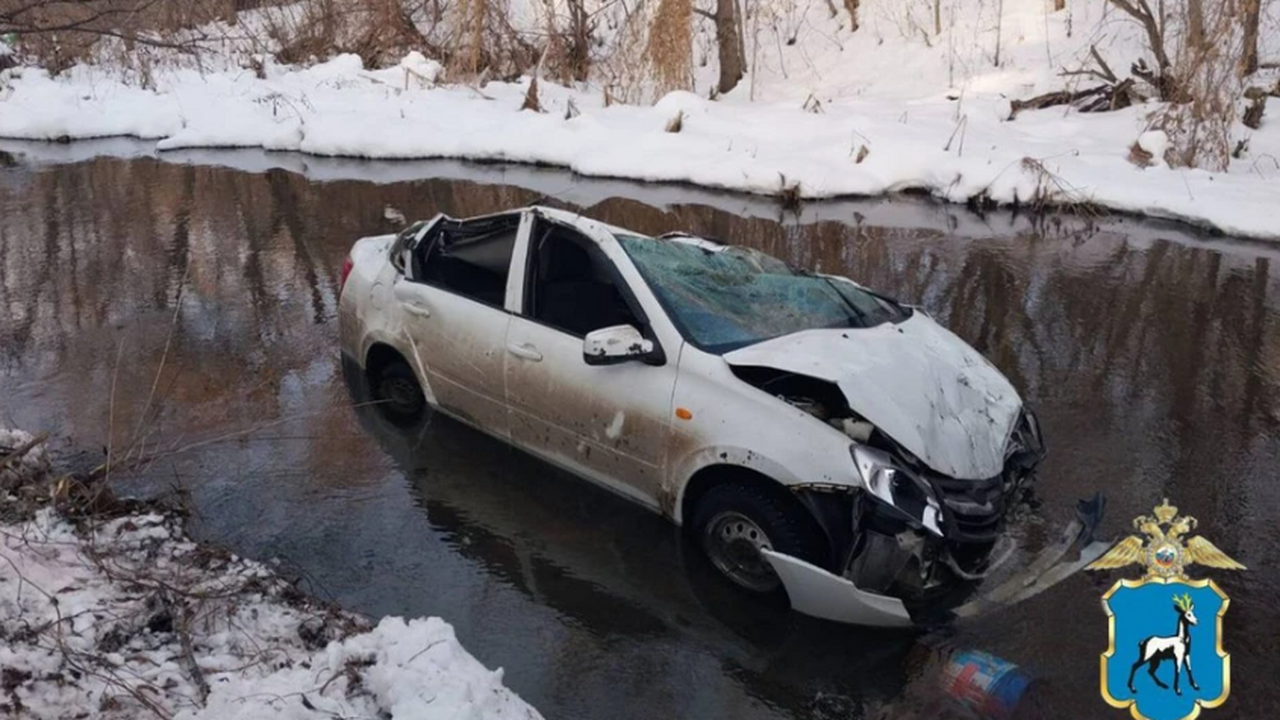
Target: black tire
pixel 396 390
pixel 733 521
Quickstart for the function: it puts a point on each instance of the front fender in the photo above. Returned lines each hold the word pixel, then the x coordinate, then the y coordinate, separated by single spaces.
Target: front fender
pixel 810 469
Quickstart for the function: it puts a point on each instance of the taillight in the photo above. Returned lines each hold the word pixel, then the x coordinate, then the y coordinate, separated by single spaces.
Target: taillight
pixel 346 271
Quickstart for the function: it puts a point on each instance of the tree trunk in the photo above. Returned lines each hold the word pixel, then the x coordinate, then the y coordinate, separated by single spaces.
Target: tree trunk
pixel 999 29
pixel 580 43
pixel 742 30
pixel 852 7
pixel 1195 25
pixel 1249 57
pixel 729 40
pixel 1162 76
pixel 937 17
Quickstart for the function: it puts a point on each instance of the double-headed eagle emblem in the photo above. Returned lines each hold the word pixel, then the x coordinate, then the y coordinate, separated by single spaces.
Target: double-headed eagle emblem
pixel 1164 552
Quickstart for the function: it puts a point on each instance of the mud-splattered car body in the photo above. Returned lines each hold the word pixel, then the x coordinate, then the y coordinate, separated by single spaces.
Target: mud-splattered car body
pixel 812 433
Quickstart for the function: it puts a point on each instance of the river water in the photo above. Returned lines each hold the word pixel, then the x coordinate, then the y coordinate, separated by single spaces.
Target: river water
pixel 186 306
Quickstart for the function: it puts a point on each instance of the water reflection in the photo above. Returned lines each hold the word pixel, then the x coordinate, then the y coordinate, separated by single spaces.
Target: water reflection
pixel 605 566
pixel 1151 356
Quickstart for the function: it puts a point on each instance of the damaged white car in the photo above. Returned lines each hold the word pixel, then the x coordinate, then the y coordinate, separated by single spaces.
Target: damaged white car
pixel 811 434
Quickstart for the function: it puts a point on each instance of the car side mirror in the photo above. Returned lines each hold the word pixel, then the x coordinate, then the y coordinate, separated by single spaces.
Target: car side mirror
pixel 617 344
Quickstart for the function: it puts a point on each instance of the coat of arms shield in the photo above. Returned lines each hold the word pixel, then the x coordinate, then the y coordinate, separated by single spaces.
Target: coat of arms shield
pixel 1165 659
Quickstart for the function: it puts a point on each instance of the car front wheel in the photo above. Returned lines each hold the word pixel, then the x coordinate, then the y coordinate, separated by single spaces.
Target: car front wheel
pixel 735 521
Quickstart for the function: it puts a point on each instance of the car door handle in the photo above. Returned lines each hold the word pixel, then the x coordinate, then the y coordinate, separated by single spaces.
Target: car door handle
pixel 528 352
pixel 418 310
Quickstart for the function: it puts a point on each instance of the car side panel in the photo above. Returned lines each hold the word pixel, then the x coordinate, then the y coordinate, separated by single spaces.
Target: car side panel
pixel 610 420
pixel 367 314
pixel 462 341
pixel 732 423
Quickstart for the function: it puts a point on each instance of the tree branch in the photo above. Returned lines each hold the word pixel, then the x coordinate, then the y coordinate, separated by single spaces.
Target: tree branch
pixel 1106 69
pixel 98 22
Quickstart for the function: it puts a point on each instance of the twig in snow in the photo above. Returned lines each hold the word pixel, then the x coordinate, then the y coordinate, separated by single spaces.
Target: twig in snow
pixel 962 128
pixel 182 626
pixel 1268 156
pixel 111 409
pixel 423 650
pixel 9 457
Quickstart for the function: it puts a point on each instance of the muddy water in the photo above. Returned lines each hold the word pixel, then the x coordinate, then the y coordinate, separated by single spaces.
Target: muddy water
pixel 204 296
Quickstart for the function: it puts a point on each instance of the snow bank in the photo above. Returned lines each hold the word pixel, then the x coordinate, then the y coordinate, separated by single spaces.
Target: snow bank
pixel 895 114
pixel 128 618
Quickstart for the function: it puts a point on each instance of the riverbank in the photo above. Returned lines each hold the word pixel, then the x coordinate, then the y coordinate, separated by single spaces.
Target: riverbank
pixel 107 606
pixel 854 148
pixel 863 114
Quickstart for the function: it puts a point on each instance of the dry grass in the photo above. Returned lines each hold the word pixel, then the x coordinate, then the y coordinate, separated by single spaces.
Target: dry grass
pixel 789 194
pixel 625 69
pixel 1140 157
pixel 58 34
pixel 531 96
pixel 1197 50
pixel 1208 79
pixel 482 43
pixel 669 50
pixel 379 31
pixel 470 37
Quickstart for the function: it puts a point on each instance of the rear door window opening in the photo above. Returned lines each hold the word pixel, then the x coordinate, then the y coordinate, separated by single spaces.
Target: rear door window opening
pixel 471 258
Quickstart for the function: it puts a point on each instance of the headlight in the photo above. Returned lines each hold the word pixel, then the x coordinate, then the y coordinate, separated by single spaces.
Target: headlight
pixel 897 488
pixel 1033 427
pixel 1025 439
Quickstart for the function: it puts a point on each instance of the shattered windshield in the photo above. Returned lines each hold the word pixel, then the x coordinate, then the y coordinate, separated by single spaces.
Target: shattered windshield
pixel 724 298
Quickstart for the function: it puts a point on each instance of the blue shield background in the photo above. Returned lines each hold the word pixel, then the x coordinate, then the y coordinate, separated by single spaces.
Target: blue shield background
pixel 1145 611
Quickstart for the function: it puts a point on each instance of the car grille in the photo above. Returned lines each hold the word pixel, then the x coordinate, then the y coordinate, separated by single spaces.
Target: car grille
pixel 973 509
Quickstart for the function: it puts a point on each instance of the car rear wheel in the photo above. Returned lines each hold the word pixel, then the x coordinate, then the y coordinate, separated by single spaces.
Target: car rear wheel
pixel 735 521
pixel 397 392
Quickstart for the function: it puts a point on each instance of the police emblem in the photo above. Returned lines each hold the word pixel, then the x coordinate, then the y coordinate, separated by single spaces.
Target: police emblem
pixel 1165 626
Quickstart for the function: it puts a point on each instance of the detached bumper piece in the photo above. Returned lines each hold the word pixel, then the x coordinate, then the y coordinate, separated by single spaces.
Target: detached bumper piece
pixel 817 593
pixel 821 594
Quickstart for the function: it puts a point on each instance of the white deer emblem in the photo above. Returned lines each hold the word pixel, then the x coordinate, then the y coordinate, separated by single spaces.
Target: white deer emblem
pixel 1155 649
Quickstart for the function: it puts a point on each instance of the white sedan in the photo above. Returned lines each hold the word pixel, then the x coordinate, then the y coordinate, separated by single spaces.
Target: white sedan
pixel 811 434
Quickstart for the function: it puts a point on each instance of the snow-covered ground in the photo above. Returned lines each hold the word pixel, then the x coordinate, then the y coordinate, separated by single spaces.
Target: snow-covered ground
pixel 901 108
pixel 128 618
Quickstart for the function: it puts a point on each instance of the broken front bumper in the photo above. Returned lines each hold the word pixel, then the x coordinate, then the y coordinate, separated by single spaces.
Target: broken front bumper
pixel 821 594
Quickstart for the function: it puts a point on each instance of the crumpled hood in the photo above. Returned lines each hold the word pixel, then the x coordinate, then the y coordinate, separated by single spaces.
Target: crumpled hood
pixel 915 381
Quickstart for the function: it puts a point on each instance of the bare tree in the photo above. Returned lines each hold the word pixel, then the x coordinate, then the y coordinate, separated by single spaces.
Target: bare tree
pixel 1249 56
pixel 669 47
pixel 852 7
pixel 728 43
pixel 125 19
pixel 1162 76
pixel 579 41
pixel 999 29
pixel 1195 25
